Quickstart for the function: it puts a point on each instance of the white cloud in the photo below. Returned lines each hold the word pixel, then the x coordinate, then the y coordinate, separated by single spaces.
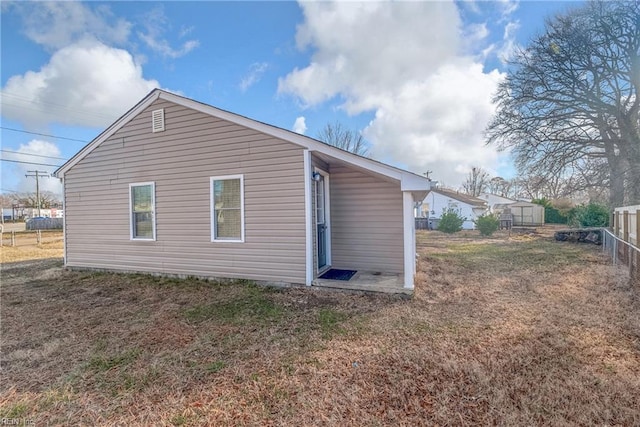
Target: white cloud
pixel 476 32
pixel 41 148
pixel 156 24
pixel 57 24
pixel 437 124
pixel 256 70
pixel 86 84
pixel 509 44
pixel 300 125
pixel 508 7
pixel 366 50
pixel 403 61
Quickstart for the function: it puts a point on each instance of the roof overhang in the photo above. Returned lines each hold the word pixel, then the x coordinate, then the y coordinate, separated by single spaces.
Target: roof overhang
pixel 408 181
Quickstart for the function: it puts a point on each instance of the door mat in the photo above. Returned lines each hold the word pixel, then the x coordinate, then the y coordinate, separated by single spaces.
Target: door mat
pixel 336 274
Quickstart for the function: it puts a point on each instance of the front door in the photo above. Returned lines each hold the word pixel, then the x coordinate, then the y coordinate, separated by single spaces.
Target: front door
pixel 321 222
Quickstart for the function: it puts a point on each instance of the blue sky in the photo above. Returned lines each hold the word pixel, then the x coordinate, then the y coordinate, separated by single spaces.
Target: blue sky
pixel 416 78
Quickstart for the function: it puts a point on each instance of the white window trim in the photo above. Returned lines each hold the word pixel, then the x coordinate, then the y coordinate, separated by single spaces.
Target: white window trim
pixel 153 209
pixel 212 208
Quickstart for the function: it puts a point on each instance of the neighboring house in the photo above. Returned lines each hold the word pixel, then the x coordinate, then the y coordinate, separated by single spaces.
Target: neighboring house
pixel 440 200
pixel 275 206
pixel 495 202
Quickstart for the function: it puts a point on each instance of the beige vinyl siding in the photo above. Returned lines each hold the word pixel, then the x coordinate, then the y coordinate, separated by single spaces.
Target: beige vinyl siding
pixel 181 160
pixel 366 222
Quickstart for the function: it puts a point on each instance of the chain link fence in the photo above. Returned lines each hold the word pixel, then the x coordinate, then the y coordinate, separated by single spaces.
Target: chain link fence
pixel 29 237
pixel 622 253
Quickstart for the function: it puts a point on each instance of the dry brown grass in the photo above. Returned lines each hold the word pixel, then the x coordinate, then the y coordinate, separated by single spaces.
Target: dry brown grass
pixel 27 248
pixel 514 330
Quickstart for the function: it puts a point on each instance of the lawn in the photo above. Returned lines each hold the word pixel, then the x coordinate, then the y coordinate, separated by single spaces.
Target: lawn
pixel 510 330
pixel 26 247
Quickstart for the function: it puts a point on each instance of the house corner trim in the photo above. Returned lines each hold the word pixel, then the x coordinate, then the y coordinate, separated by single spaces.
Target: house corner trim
pixel 308 219
pixel 408 223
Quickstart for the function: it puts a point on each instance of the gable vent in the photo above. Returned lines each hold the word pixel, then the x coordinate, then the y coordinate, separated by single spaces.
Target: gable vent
pixel 157 120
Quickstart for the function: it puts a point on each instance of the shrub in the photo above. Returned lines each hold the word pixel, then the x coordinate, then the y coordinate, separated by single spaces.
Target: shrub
pixel 591 215
pixel 554 216
pixel 487 224
pixel 450 222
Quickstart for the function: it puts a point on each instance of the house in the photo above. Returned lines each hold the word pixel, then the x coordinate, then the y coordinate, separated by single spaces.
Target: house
pixel 440 200
pixel 264 203
pixel 496 203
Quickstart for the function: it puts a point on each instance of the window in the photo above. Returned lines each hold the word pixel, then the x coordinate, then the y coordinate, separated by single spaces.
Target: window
pixel 142 200
pixel 320 200
pixel 227 208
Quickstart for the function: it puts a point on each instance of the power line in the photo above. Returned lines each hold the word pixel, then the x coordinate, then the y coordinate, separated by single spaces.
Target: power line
pixel 43 134
pixel 31 154
pixel 29 163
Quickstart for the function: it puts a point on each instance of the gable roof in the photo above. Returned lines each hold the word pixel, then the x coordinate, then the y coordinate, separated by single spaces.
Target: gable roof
pixel 465 198
pixel 408 180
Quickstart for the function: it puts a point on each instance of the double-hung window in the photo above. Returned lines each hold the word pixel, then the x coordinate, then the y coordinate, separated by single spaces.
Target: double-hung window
pixel 227 208
pixel 142 201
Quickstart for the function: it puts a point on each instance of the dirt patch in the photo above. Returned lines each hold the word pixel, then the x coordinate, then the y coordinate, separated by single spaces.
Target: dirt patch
pixel 506 330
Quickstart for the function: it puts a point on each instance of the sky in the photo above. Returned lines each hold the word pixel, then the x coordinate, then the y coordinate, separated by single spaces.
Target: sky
pixel 415 78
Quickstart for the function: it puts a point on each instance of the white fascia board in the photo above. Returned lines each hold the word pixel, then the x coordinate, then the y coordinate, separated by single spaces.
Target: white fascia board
pixel 412 182
pixel 106 134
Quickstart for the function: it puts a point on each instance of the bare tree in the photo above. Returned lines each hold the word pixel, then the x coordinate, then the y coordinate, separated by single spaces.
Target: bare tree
pixel 477 181
pixel 500 186
pixel 571 98
pixel 338 135
pixel 47 200
pixel 6 202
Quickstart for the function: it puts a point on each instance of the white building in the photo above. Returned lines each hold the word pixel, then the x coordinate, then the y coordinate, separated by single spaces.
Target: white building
pixel 494 200
pixel 440 200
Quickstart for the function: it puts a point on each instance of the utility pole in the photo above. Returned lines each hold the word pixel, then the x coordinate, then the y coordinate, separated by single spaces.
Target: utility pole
pixel 37 175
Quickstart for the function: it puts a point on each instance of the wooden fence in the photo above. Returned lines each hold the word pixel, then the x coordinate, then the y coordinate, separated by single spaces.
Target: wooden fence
pixel 626 223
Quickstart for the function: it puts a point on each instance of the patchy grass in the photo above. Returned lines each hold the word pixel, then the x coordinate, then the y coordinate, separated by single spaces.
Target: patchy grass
pixel 250 306
pixel 102 363
pixel 330 322
pixel 508 330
